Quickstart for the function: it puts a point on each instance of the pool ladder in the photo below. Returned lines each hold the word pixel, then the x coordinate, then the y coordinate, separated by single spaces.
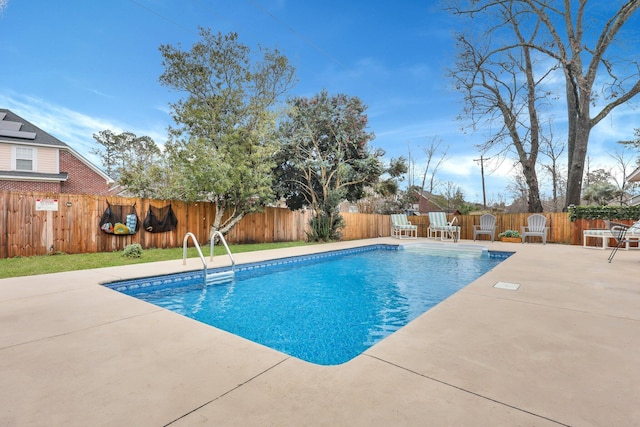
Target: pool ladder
pixel 213 278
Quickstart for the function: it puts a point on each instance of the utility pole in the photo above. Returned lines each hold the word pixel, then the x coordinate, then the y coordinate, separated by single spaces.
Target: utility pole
pixel 484 193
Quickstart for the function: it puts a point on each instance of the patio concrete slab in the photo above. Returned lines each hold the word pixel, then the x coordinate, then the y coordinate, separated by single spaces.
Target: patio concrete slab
pixel 560 350
pixel 555 359
pixel 58 313
pixel 139 371
pixel 363 392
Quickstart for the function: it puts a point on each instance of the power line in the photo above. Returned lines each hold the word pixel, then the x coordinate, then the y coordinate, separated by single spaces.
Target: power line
pixel 159 15
pixel 297 34
pixel 260 8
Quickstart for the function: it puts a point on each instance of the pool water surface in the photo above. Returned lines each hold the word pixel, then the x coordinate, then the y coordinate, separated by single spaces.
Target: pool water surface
pixel 325 310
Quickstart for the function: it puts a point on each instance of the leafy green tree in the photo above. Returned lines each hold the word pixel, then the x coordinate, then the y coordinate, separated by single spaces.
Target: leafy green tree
pixel 325 158
pixel 384 197
pixel 134 162
pixel 599 189
pixel 394 173
pixel 109 153
pixel 600 193
pixel 223 147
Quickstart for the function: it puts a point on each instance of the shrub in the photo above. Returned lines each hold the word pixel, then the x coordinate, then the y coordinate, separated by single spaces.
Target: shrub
pixel 509 233
pixel 133 251
pixel 324 229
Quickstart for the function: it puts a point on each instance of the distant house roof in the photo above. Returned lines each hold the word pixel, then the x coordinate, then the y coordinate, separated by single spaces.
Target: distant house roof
pixel 634 176
pixel 430 203
pixel 16 130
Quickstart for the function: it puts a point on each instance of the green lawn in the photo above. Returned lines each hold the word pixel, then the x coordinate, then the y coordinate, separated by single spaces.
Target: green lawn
pixel 28 266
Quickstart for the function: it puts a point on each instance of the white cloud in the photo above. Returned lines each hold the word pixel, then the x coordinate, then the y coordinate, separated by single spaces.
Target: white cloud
pixel 71 127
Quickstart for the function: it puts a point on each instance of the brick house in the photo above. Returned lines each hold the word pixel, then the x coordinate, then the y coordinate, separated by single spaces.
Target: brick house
pixel 428 202
pixel 33 160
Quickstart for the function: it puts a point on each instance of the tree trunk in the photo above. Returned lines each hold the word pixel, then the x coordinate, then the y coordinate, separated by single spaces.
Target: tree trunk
pixel 578 153
pixel 531 178
pixel 576 167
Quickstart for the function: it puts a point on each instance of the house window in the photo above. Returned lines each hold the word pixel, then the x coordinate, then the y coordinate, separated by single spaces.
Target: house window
pixel 24 158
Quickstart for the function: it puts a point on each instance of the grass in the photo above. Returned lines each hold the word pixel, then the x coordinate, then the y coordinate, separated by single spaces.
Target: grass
pixel 45 264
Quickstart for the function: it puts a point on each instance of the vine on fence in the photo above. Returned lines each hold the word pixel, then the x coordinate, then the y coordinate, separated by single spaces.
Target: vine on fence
pixel 604 212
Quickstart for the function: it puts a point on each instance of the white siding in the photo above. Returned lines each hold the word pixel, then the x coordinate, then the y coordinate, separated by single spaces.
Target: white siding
pixel 48 160
pixel 5 157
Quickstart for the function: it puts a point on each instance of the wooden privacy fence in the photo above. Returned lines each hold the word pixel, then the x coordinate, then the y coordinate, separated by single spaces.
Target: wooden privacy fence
pixel 561 229
pixel 74 226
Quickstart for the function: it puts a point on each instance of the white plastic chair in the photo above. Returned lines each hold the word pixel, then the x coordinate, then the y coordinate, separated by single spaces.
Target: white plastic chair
pixel 536 228
pixel 487 226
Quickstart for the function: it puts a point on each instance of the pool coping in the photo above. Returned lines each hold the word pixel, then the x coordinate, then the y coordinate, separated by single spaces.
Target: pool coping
pixel 562 349
pixel 166 280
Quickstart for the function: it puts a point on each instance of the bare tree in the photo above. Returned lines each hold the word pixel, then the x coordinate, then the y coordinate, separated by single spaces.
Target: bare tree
pixel 580 37
pixel 430 169
pixel 624 162
pixel 634 144
pixel 453 195
pixel 519 190
pixel 501 85
pixel 411 168
pixel 497 201
pixel 553 149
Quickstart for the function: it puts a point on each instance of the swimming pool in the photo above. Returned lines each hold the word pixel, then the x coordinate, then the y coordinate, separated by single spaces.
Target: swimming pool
pixel 325 308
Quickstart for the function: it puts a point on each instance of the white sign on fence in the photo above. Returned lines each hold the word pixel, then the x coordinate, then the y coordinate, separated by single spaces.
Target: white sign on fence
pixel 46 204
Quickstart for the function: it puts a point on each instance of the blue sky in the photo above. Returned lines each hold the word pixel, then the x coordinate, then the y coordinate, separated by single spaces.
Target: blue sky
pixel 80 67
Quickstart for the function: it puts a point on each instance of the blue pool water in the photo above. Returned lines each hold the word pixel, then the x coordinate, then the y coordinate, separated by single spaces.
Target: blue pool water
pixel 325 309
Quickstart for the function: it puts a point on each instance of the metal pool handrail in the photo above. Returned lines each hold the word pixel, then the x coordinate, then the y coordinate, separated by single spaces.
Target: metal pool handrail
pixel 184 251
pixel 224 242
pixel 214 277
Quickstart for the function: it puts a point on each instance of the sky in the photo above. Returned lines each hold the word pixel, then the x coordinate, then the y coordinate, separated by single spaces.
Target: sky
pixel 80 67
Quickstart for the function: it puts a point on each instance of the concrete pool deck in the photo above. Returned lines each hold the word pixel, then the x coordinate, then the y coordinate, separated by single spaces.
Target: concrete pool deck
pixel 563 349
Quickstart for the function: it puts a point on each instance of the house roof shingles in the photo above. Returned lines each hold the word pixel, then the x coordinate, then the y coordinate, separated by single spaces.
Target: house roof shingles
pixel 41 137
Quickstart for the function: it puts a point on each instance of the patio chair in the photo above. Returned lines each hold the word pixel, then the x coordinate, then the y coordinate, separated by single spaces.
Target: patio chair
pixel 623 235
pixel 487 226
pixel 536 227
pixel 401 226
pixel 438 224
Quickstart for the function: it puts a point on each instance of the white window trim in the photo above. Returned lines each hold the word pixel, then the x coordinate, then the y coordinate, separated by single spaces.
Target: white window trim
pixel 34 158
